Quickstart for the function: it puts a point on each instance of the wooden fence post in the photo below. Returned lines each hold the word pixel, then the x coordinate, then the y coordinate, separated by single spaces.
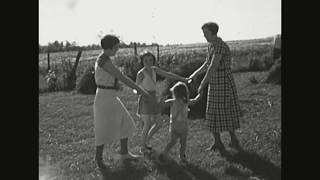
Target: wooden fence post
pixel 135 48
pixel 72 76
pixel 48 60
pixel 158 52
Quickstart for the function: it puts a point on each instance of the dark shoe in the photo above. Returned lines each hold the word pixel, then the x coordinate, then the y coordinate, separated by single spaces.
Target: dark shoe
pixel 101 165
pixel 183 160
pixel 215 147
pixel 235 145
pixel 162 159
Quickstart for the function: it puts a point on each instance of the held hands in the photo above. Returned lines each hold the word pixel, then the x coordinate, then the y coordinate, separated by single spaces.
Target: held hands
pixel 147 95
pixel 188 80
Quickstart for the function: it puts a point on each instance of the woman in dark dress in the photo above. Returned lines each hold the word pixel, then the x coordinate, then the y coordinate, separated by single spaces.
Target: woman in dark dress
pixel 222 111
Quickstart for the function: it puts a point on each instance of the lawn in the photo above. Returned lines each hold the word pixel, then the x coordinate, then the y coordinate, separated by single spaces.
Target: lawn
pixel 66 140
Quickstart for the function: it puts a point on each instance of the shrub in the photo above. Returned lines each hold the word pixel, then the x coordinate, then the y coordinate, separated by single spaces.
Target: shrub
pixel 87 84
pixel 274 75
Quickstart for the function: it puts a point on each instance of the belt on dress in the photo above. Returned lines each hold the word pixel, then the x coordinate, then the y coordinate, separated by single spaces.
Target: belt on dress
pixel 106 87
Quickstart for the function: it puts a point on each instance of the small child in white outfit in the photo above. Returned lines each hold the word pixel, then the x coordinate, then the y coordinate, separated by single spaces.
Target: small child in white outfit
pixel 178 119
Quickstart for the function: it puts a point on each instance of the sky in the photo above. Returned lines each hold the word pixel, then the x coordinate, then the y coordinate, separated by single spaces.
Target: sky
pixel 156 21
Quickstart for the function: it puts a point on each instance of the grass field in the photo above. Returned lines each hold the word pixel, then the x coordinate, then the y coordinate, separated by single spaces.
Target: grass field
pixel 66 140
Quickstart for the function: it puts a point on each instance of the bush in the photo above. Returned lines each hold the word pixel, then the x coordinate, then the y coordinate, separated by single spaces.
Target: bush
pixel 274 75
pixel 87 84
pixel 256 65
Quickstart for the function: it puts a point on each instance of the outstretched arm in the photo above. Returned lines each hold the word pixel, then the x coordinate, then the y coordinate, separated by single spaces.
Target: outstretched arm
pixel 196 99
pixel 211 69
pixel 200 70
pixel 110 68
pixel 169 75
pixel 165 103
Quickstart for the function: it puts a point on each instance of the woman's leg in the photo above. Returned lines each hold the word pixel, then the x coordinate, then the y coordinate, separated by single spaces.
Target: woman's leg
pixel 217 142
pixel 234 140
pixel 124 146
pixel 172 142
pixel 99 156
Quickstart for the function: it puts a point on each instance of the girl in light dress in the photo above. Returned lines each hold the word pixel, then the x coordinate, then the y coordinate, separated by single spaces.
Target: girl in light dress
pixel 147 110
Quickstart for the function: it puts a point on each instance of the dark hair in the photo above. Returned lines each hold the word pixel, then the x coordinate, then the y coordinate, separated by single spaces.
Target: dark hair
pixel 147 53
pixel 212 26
pixel 180 91
pixel 108 41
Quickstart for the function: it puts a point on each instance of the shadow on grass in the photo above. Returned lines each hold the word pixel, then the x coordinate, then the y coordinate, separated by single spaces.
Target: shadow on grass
pixel 259 165
pixel 174 171
pixel 129 170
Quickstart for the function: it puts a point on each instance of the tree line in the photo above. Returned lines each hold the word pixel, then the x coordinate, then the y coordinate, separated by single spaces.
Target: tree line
pixel 57 46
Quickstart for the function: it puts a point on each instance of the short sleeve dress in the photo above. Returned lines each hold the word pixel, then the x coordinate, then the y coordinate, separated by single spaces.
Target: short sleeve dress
pixel 223 110
pixel 112 121
pixel 148 83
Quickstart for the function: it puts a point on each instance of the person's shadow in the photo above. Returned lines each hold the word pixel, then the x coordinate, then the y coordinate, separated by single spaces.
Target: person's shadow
pixel 173 171
pixel 258 165
pixel 128 170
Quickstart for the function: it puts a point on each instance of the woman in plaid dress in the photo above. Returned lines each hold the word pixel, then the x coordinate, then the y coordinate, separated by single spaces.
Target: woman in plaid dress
pixel 223 111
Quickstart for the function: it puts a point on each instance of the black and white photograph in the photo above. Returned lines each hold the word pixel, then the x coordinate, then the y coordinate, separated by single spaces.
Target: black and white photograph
pixel 159 89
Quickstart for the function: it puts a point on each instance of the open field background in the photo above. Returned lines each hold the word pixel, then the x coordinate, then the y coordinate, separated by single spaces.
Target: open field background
pixel 247 55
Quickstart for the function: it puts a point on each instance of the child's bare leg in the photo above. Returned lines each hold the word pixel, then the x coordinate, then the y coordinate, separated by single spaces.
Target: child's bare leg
pixel 172 142
pixel 183 144
pixel 146 127
pixel 156 126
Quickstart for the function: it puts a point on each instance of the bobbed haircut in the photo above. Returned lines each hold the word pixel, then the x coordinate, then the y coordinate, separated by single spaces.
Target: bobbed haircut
pixel 147 53
pixel 180 91
pixel 211 26
pixel 108 41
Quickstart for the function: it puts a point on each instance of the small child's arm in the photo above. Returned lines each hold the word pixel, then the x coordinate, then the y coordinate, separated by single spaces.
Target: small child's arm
pixel 165 103
pixel 196 99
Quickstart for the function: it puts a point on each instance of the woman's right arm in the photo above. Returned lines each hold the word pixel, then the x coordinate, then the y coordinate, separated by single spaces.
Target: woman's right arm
pixel 110 68
pixel 201 69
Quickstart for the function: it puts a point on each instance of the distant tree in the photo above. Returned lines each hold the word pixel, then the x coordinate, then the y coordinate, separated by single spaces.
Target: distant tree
pixel 67 46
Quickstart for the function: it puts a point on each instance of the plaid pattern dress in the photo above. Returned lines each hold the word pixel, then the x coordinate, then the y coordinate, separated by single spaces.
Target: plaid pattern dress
pixel 223 111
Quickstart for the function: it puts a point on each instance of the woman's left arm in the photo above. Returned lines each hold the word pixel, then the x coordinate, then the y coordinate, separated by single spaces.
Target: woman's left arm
pixel 216 58
pixel 169 75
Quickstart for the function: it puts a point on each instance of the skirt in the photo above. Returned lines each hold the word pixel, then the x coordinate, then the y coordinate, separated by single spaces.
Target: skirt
pixel 223 110
pixel 146 107
pixel 112 121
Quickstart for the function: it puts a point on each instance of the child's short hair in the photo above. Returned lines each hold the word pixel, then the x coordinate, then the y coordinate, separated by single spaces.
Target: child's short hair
pixel 108 41
pixel 180 91
pixel 147 53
